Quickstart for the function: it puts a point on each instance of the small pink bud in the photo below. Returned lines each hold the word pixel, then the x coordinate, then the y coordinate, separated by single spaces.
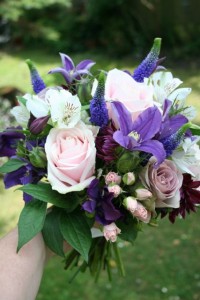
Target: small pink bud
pixel 129 178
pixel 137 209
pixel 115 189
pixel 110 232
pixel 142 213
pixel 143 194
pixel 112 177
pixel 130 203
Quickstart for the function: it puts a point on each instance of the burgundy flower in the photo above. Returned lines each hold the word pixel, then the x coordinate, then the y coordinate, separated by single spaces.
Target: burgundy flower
pixel 105 144
pixel 190 196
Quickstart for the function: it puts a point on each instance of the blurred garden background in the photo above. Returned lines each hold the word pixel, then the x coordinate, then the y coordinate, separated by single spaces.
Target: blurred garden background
pixel 164 263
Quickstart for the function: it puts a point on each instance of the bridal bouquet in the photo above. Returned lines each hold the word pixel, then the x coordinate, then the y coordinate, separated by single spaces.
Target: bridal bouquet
pixel 101 156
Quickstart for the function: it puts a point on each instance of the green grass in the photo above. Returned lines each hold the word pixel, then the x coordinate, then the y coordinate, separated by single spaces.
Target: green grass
pixel 163 263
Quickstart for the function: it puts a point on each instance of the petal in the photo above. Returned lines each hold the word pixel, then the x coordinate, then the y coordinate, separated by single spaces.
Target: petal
pixel 125 141
pixel 85 64
pixel 64 73
pixel 155 148
pixel 148 123
pixel 67 62
pixel 122 117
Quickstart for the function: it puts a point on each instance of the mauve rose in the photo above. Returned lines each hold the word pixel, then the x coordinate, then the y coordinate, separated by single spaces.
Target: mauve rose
pixel 71 156
pixel 135 96
pixel 164 182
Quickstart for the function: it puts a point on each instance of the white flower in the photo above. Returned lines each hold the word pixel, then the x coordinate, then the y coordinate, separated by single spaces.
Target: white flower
pixel 187 155
pixel 165 87
pixel 21 114
pixel 65 109
pixel 61 105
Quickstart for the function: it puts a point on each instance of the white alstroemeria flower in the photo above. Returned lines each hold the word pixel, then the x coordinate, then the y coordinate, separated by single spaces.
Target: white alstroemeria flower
pixel 187 155
pixel 165 87
pixel 37 106
pixel 21 114
pixel 65 108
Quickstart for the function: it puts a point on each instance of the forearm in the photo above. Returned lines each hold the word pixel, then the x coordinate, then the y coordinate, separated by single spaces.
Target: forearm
pixel 21 273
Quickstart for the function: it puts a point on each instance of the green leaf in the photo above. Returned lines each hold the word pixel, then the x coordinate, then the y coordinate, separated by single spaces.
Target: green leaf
pixel 76 232
pixel 43 191
pixel 129 229
pixel 51 232
pixel 21 100
pixel 12 165
pixel 31 221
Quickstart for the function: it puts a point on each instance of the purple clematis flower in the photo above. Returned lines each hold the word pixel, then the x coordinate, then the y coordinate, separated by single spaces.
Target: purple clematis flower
pixel 24 175
pixel 70 72
pixel 8 141
pixel 100 203
pixel 139 135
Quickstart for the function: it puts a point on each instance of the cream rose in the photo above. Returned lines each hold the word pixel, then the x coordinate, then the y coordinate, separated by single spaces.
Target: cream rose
pixel 71 156
pixel 164 182
pixel 121 87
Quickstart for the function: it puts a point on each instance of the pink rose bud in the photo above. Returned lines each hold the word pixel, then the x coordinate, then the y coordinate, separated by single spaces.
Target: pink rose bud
pixel 115 189
pixel 112 177
pixel 129 178
pixel 110 232
pixel 142 213
pixel 143 194
pixel 130 203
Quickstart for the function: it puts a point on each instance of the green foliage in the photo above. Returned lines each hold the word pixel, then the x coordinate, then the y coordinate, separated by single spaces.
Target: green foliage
pixel 43 191
pixel 12 165
pixel 76 232
pixel 52 234
pixel 129 229
pixel 31 221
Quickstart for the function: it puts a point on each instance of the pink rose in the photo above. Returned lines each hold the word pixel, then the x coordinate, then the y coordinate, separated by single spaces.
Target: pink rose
pixel 135 96
pixel 115 189
pixel 137 209
pixel 110 232
pixel 112 177
pixel 164 182
pixel 129 178
pixel 142 194
pixel 71 156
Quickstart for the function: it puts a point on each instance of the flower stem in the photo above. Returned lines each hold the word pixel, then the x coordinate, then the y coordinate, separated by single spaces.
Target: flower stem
pixel 118 260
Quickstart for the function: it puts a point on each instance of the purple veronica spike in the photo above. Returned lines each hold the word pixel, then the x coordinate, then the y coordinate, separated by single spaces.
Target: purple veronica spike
pixel 139 135
pixel 69 71
pixel 37 82
pixel 8 141
pixel 149 64
pixel 98 109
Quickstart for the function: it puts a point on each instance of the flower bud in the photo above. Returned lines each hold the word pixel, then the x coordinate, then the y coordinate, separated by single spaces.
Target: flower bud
pixel 130 203
pixel 110 232
pixel 112 177
pixel 115 189
pixel 84 90
pixel 38 158
pixel 38 125
pixel 129 178
pixel 137 209
pixel 142 194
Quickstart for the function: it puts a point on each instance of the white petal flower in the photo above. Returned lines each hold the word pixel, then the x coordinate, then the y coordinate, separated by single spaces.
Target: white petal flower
pixel 37 106
pixel 165 87
pixel 65 108
pixel 21 114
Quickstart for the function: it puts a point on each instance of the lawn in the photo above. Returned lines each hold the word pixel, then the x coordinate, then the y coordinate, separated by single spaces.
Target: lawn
pixel 163 263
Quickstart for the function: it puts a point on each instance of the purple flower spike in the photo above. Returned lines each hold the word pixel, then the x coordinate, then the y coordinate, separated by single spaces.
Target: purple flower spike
pixel 8 141
pixel 69 71
pixel 149 64
pixel 98 109
pixel 140 134
pixel 37 82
